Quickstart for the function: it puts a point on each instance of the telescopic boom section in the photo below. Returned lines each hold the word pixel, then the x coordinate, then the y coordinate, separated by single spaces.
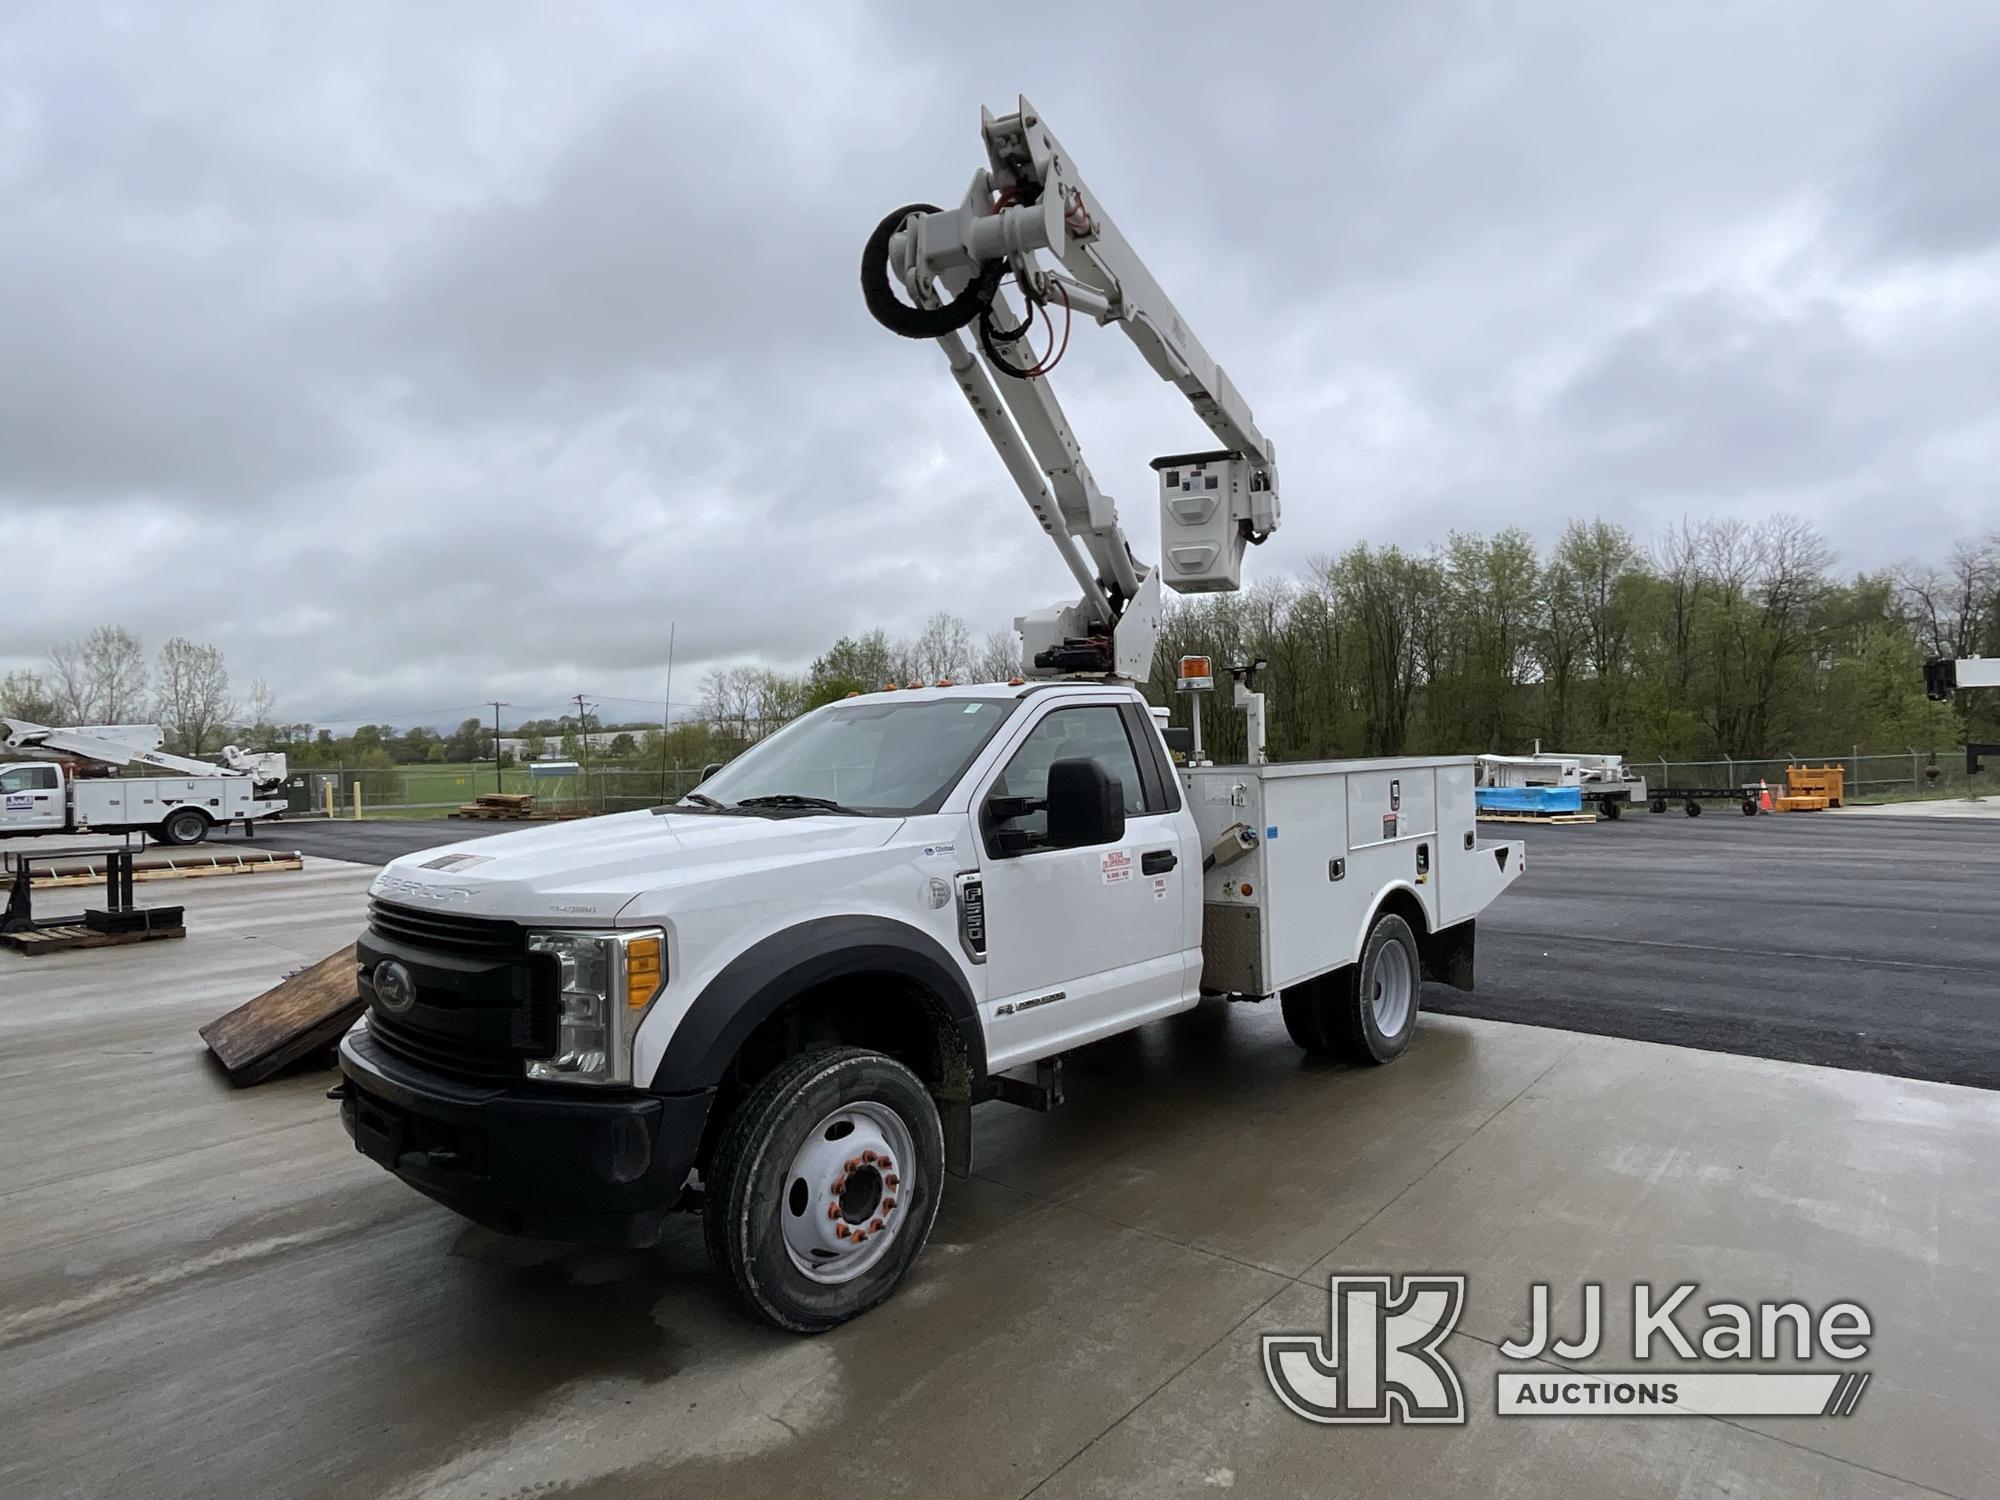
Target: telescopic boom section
pixel 1026 203
pixel 139 745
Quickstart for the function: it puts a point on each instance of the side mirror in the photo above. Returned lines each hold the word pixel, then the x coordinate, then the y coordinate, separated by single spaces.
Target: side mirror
pixel 709 770
pixel 1086 805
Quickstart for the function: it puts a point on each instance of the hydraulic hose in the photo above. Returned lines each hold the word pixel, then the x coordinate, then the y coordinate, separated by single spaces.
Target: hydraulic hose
pixel 897 315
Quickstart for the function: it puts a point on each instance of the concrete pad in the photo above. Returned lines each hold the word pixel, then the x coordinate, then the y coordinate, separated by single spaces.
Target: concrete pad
pixel 1631 1162
pixel 1217 1132
pixel 1216 1429
pixel 1942 807
pixel 206 1291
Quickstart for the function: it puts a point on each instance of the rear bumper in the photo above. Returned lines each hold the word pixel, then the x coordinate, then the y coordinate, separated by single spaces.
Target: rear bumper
pixel 552 1163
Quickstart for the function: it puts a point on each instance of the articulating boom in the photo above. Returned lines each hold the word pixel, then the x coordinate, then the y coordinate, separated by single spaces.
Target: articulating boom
pixel 1029 200
pixel 139 745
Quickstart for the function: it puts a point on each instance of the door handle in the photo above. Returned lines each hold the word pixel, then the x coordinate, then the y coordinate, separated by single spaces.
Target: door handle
pixel 1157 861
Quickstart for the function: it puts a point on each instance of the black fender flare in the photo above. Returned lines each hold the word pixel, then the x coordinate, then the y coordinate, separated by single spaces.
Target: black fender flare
pixel 776 970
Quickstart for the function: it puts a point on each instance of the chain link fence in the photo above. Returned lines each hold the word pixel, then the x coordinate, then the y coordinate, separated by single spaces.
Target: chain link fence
pixel 1875 777
pixel 435 792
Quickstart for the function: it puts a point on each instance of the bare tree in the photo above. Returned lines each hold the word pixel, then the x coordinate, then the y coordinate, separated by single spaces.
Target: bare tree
pixel 69 684
pixel 100 679
pixel 944 649
pixel 193 693
pixel 24 695
pixel 999 657
pixel 262 707
pixel 118 676
pixel 1955 606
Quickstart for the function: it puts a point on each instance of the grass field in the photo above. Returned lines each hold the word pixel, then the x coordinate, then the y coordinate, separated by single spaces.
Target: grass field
pixel 434 790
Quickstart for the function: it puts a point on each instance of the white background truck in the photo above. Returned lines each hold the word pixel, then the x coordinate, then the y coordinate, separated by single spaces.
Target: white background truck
pixel 779 999
pixel 42 796
pixel 797 983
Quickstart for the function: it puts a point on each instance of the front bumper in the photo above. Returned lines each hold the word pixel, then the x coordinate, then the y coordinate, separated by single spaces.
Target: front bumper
pixel 555 1164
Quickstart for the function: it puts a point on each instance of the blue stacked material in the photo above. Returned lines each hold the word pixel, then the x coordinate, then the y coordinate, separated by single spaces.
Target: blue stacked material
pixel 1528 799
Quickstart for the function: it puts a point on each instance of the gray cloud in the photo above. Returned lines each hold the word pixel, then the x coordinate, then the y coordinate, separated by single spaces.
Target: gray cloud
pixel 419 356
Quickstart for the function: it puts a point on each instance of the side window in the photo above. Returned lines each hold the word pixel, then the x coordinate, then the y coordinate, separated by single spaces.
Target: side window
pixel 28 779
pixel 1068 733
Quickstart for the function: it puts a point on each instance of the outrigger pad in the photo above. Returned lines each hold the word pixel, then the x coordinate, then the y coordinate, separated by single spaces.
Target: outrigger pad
pixel 293 1019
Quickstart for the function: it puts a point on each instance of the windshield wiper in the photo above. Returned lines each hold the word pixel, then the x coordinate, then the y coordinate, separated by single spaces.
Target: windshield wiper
pixel 794 799
pixel 702 803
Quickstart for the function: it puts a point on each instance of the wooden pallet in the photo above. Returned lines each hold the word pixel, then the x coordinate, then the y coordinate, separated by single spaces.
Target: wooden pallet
pixel 38 941
pixel 507 807
pixel 1510 817
pixel 299 1016
pixel 174 867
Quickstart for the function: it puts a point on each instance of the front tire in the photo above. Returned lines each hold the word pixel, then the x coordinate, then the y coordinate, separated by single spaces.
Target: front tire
pixel 185 825
pixel 824 1186
pixel 1367 1012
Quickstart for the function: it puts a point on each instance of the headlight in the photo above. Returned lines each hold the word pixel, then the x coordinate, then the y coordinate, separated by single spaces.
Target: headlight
pixel 606 983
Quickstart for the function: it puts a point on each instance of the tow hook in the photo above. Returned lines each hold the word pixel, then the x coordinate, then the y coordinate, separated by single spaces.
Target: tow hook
pixel 341 1090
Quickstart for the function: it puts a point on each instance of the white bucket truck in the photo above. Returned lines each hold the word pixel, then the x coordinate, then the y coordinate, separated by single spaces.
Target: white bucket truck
pixel 778 1000
pixel 178 807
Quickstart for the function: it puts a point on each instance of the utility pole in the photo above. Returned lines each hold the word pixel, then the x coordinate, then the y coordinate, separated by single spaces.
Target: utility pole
pixel 583 744
pixel 667 714
pixel 498 786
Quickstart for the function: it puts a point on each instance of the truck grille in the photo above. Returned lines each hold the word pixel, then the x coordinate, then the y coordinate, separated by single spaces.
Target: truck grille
pixel 484 1004
pixel 447 932
pixel 455 1057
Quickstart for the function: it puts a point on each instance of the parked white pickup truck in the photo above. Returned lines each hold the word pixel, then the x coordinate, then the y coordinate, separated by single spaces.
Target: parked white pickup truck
pixel 779 999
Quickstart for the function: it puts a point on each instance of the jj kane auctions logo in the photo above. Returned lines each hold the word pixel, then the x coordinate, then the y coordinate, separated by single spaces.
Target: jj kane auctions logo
pixel 1381 1358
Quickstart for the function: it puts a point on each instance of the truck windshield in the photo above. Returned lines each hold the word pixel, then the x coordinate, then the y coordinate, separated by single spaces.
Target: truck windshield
pixel 880 758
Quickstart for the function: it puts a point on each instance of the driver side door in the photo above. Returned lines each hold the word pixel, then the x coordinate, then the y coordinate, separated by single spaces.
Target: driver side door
pixel 31 797
pixel 1088 941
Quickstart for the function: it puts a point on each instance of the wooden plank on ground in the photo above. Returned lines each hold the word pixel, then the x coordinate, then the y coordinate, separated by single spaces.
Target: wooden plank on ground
pixel 295 1018
pixel 37 942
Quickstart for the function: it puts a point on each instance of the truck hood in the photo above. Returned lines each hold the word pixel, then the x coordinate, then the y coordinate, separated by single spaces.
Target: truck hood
pixel 590 869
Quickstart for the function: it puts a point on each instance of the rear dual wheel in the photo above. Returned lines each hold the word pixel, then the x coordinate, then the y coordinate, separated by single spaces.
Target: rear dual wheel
pixel 1366 1012
pixel 185 825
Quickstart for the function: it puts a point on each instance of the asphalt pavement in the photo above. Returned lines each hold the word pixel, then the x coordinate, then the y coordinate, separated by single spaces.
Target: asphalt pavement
pixel 1852 942
pixel 1869 943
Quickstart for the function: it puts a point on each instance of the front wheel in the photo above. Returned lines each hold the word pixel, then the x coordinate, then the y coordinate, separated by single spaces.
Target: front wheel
pixel 1612 808
pixel 1366 1012
pixel 824 1186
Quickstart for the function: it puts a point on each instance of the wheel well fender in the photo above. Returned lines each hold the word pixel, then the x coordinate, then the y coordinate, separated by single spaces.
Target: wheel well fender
pixel 816 958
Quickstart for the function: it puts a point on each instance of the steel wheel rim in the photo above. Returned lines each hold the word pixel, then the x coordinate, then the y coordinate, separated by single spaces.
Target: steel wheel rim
pixel 1391 982
pixel 846 1196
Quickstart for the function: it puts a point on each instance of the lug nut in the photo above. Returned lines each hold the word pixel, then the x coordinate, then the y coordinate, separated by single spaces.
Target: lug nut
pixel 833 1210
pixel 868 1158
pixel 839 1184
pixel 887 1204
pixel 840 1231
pixel 874 1226
pixel 891 1181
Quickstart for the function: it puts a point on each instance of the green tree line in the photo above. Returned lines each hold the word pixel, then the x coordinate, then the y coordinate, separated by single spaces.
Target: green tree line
pixel 1722 639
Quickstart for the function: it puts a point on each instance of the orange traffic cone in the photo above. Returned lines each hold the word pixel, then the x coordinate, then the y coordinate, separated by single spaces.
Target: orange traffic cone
pixel 1764 794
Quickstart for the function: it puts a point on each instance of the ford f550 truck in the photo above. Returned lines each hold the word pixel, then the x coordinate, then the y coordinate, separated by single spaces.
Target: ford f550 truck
pixel 779 1000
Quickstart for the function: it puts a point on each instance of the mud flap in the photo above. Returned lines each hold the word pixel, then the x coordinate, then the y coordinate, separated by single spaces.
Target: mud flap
pixel 1448 954
pixel 955 1116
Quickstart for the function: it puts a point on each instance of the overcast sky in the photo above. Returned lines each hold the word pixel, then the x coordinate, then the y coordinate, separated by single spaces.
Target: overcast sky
pixel 417 355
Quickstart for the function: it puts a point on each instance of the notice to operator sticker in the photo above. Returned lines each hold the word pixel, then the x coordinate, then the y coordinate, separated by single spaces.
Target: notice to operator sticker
pixel 1117 867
